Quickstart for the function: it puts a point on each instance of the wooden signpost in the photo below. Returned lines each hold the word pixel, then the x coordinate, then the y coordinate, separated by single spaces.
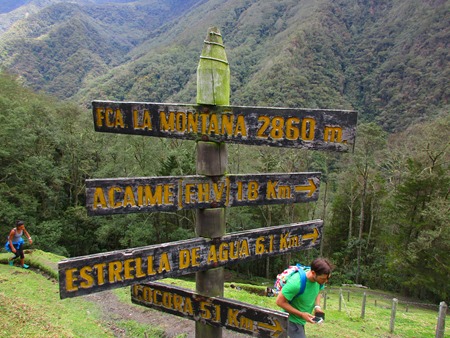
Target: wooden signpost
pixel 316 129
pixel 149 194
pixel 213 88
pixel 94 273
pixel 211 122
pixel 253 321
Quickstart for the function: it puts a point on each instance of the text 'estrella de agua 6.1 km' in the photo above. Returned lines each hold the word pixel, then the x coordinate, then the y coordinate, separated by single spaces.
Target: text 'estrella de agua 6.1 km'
pixel 83 275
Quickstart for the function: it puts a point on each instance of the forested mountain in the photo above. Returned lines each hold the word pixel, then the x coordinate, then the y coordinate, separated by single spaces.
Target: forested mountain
pixel 63 46
pixel 385 206
pixel 386 59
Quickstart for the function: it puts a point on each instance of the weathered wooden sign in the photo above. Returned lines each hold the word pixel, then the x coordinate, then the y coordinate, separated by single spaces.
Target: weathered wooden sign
pixel 148 194
pixel 318 129
pixel 220 312
pixel 94 273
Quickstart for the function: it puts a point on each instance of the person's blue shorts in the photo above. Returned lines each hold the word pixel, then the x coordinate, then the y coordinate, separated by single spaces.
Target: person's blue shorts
pixel 16 245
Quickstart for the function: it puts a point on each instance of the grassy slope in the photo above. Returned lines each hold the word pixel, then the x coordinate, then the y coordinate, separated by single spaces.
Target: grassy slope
pixel 30 306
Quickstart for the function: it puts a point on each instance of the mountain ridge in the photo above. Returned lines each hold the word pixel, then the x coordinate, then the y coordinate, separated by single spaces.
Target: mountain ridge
pixel 386 59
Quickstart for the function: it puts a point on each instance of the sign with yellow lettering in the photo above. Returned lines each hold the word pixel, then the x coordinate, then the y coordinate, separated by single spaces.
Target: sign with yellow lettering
pixel 94 273
pixel 317 129
pixel 216 311
pixel 149 194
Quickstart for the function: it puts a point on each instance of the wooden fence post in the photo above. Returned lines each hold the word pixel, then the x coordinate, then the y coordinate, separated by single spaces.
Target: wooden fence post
pixel 324 300
pixel 440 328
pixel 340 299
pixel 393 312
pixel 213 87
pixel 363 307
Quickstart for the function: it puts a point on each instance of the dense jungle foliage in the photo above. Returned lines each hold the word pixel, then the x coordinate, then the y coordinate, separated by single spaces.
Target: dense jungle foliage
pixel 385 206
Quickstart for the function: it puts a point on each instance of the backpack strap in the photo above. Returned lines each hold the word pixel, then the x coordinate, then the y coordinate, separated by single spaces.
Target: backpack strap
pixel 302 282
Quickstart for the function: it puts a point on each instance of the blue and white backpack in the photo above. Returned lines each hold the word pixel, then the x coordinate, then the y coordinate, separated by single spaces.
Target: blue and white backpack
pixel 283 277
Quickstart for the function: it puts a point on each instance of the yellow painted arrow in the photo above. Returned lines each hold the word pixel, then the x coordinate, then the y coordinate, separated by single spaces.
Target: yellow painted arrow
pixel 276 329
pixel 311 187
pixel 312 236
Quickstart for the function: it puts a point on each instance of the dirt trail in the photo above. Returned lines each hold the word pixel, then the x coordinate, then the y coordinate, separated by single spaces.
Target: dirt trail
pixel 113 310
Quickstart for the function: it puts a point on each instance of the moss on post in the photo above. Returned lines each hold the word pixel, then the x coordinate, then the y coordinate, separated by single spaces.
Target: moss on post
pixel 213 72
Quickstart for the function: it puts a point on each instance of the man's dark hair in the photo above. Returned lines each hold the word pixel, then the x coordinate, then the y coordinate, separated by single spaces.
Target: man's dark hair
pixel 321 266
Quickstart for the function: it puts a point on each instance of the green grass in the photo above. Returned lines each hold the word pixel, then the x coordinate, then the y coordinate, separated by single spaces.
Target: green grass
pixel 30 307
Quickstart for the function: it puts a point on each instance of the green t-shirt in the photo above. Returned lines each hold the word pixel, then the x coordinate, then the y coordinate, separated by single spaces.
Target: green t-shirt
pixel 304 302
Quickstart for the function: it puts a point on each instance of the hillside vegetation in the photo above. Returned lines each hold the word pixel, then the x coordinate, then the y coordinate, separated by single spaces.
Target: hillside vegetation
pixel 64 46
pixel 386 59
pixel 385 206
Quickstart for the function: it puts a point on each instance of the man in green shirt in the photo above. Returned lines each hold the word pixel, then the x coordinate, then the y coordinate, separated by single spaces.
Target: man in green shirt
pixel 300 307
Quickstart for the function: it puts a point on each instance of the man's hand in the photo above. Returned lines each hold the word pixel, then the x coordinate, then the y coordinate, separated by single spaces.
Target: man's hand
pixel 308 317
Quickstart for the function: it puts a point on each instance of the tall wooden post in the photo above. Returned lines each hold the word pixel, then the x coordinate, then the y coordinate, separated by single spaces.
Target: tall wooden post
pixel 440 327
pixel 363 307
pixel 393 314
pixel 213 88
